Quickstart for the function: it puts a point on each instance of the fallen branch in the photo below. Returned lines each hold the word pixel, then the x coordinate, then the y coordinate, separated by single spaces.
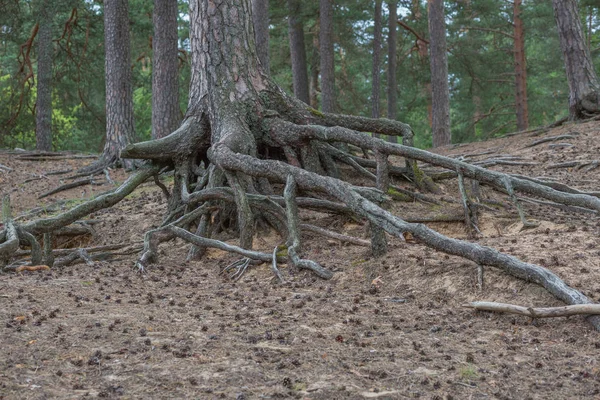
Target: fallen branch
pixel 67 186
pixel 550 139
pixel 548 312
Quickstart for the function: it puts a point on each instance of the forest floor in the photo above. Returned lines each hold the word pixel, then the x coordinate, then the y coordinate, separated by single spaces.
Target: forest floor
pixel 184 331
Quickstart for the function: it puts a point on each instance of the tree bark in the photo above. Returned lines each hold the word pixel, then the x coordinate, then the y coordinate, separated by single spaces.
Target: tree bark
pixel 43 109
pixel 260 15
pixel 165 74
pixel 520 69
pixel 327 56
pixel 440 102
pixel 120 127
pixel 375 72
pixel 584 87
pixel 314 69
pixel 298 50
pixel 392 62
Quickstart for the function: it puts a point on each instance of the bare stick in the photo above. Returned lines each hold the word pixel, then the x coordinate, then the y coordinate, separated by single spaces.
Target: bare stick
pixel 550 139
pixel 548 312
pixel 67 186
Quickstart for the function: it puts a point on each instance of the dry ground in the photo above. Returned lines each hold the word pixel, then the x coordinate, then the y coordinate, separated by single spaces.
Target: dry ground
pixel 184 331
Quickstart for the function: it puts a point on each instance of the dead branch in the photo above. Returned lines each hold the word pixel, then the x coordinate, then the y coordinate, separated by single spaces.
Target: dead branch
pixel 67 186
pixel 550 139
pixel 547 312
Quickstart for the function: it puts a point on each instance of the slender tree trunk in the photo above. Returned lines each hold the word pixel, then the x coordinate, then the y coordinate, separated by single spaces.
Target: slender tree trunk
pixel 298 51
pixel 520 69
pixel 375 73
pixel 43 109
pixel 260 14
pixel 584 88
pixel 120 127
pixel 327 56
pixel 314 69
pixel 392 64
pixel 165 74
pixel 439 74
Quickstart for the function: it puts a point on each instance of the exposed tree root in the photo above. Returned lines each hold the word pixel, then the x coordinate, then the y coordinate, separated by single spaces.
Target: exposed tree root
pixel 239 145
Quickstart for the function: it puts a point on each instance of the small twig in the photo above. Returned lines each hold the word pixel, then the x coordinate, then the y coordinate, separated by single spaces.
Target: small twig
pixel 480 277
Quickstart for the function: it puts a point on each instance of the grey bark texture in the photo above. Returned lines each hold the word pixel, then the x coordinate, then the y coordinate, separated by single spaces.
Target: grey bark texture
pixel 327 56
pixel 43 106
pixel 120 127
pixel 438 58
pixel 298 50
pixel 375 72
pixel 165 74
pixel 584 87
pixel 260 15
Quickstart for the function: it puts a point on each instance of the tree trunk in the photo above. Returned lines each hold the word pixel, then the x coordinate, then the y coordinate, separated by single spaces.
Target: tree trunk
pixel 43 108
pixel 440 102
pixel 584 88
pixel 298 50
pixel 165 74
pixel 327 56
pixel 120 127
pixel 260 14
pixel 375 72
pixel 520 69
pixel 314 69
pixel 392 64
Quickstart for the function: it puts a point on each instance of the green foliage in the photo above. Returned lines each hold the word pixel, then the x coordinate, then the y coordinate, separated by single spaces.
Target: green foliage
pixel 480 65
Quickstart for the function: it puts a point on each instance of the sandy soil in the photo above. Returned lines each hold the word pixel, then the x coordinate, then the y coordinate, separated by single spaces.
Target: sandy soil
pixel 184 331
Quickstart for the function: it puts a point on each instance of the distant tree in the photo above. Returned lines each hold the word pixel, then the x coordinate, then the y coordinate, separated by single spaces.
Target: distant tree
pixel 298 50
pixel 391 76
pixel 260 14
pixel 327 56
pixel 43 106
pixel 520 68
pixel 165 88
pixel 439 74
pixel 584 87
pixel 375 72
pixel 392 64
pixel 120 127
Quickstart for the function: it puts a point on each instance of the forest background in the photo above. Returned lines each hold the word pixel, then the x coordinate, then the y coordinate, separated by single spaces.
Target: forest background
pixel 480 37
